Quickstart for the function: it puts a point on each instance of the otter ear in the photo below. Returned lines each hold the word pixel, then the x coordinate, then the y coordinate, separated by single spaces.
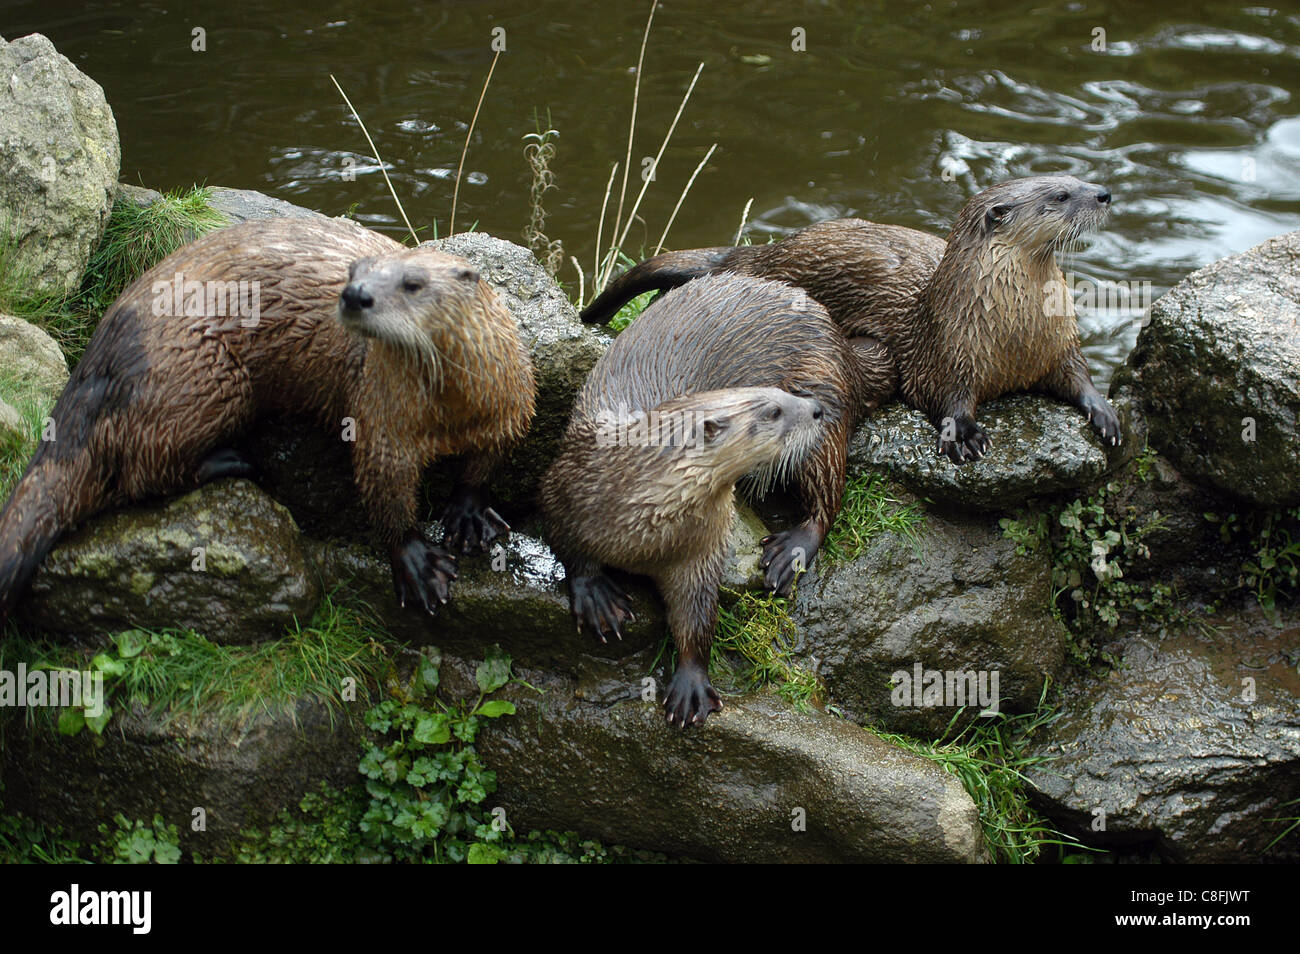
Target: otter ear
pixel 713 429
pixel 996 215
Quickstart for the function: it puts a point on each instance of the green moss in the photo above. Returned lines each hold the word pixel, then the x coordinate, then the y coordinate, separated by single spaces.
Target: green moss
pixel 752 649
pixel 135 239
pixel 869 509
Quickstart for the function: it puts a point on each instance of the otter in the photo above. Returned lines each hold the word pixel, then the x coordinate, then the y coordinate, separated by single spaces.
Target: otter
pixel 404 351
pixel 725 377
pixel 965 321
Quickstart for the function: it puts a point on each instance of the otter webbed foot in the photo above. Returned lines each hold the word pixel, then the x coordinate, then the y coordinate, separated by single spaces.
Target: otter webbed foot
pixel 599 606
pixel 1103 417
pixel 225 462
pixel 469 522
pixel 422 572
pixel 691 697
pixel 786 555
pixel 962 439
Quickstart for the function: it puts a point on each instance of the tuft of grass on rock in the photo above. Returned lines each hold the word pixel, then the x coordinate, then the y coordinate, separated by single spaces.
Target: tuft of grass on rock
pixel 17 449
pixel 990 758
pixel 179 672
pixel 758 629
pixel 135 239
pixel 869 510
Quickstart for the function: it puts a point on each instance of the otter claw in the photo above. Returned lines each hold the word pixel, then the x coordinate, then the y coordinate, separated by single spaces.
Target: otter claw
pixel 598 606
pixel 691 697
pixel 422 572
pixel 469 523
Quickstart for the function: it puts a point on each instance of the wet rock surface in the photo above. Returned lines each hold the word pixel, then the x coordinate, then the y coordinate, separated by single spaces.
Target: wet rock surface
pixel 1216 373
pixel 1178 749
pixel 731 790
pixel 60 154
pixel 958 599
pixel 137 568
pixel 1040 447
pixel 239 774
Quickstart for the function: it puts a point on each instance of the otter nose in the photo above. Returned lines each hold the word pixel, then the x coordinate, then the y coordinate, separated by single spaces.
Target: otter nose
pixel 356 297
pixel 1103 197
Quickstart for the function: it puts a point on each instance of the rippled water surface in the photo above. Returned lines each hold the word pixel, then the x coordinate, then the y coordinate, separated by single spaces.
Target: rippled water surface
pixel 895 111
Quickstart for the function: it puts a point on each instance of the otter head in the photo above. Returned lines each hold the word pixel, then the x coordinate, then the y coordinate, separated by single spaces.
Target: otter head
pixel 1041 215
pixel 765 432
pixel 412 299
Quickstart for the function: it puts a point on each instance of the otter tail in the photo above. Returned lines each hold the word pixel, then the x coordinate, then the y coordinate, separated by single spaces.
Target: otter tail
pixel 655 274
pixel 32 522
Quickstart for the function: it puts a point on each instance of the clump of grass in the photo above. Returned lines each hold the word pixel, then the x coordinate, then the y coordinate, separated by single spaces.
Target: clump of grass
pixel 179 672
pixel 869 510
pixel 135 239
pixel 989 757
pixel 16 450
pixel 759 630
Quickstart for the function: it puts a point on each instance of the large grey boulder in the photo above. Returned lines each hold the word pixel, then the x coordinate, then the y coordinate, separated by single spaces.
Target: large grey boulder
pixel 1216 374
pixel 562 348
pixel 958 599
pixel 30 360
pixel 60 154
pixel 1192 745
pixel 141 567
pixel 759 782
pixel 1040 447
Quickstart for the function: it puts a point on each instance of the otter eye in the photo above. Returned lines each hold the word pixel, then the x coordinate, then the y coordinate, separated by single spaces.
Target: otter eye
pixel 412 284
pixel 1062 196
pixel 774 414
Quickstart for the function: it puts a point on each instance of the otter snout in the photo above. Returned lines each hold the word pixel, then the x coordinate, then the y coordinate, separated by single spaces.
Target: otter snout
pixel 356 297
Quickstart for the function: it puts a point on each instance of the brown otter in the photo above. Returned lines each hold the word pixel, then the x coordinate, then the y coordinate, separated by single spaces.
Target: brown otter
pixel 403 351
pixel 723 377
pixel 965 321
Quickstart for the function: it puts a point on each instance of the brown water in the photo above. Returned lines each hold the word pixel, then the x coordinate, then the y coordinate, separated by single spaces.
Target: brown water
pixel 1189 116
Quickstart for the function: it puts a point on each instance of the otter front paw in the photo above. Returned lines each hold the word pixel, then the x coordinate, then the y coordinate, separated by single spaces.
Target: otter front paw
pixel 691 697
pixel 1103 417
pixel 470 523
pixel 962 439
pixel 599 605
pixel 422 573
pixel 786 555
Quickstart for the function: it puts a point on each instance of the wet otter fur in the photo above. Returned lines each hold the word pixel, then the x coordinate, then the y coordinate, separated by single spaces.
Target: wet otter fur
pixel 406 348
pixel 734 376
pixel 983 314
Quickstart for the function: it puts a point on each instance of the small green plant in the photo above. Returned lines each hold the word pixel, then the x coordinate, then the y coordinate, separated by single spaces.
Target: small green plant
pixel 1272 571
pixel 759 631
pixel 869 509
pixel 1095 545
pixel 138 843
pixel 990 757
pixel 322 829
pixel 424 778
